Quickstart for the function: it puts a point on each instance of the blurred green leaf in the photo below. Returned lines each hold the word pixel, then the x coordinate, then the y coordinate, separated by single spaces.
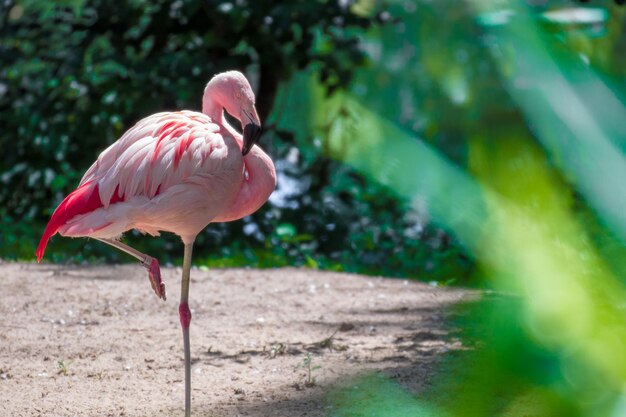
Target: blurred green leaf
pixel 286 230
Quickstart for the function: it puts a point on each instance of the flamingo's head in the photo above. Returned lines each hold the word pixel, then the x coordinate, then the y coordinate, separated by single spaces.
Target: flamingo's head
pixel 236 95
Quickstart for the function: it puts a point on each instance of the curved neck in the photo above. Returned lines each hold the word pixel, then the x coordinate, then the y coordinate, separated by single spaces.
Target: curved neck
pixel 212 107
pixel 256 187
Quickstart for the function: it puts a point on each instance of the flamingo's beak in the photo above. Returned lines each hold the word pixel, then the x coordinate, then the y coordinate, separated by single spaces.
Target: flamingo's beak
pixel 251 129
pixel 251 135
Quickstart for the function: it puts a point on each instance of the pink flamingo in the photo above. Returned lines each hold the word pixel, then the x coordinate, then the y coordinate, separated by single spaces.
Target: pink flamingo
pixel 174 172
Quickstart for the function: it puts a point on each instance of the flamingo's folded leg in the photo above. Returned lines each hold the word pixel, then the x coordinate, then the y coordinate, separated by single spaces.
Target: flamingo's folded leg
pixel 154 273
pixel 150 263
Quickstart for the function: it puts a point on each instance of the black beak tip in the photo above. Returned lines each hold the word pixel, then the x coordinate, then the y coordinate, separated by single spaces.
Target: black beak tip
pixel 251 135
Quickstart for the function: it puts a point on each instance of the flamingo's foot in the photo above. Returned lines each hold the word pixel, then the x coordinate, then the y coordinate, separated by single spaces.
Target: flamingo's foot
pixel 154 273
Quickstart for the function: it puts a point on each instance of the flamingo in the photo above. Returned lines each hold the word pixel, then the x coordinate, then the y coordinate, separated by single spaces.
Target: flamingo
pixel 174 172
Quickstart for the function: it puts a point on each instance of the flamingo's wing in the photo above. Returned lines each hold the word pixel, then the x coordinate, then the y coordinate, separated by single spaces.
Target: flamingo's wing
pixel 159 151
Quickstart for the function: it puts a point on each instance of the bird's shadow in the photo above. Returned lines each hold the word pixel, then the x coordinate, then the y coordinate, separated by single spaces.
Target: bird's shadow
pixel 418 351
pixel 123 272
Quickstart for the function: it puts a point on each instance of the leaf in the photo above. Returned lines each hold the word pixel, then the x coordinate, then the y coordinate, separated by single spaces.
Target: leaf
pixel 285 230
pixel 311 263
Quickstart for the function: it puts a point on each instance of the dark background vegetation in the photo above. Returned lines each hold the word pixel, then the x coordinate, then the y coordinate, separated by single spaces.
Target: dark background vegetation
pixel 75 76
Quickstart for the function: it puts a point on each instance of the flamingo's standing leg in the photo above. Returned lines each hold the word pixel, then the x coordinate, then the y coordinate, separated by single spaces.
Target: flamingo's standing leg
pixel 185 318
pixel 150 263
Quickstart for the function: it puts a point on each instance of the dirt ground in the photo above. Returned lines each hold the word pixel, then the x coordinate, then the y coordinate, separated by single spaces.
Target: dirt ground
pixel 95 340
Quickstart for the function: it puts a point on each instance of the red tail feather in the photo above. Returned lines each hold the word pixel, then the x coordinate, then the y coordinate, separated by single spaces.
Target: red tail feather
pixel 82 200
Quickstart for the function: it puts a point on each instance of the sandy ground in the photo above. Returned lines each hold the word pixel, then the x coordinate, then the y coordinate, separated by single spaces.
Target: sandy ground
pixel 95 340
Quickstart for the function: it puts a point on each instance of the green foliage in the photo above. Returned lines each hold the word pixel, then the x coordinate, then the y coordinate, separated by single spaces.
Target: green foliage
pixel 76 74
pixel 307 364
pixel 536 199
pixel 374 395
pixel 63 366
